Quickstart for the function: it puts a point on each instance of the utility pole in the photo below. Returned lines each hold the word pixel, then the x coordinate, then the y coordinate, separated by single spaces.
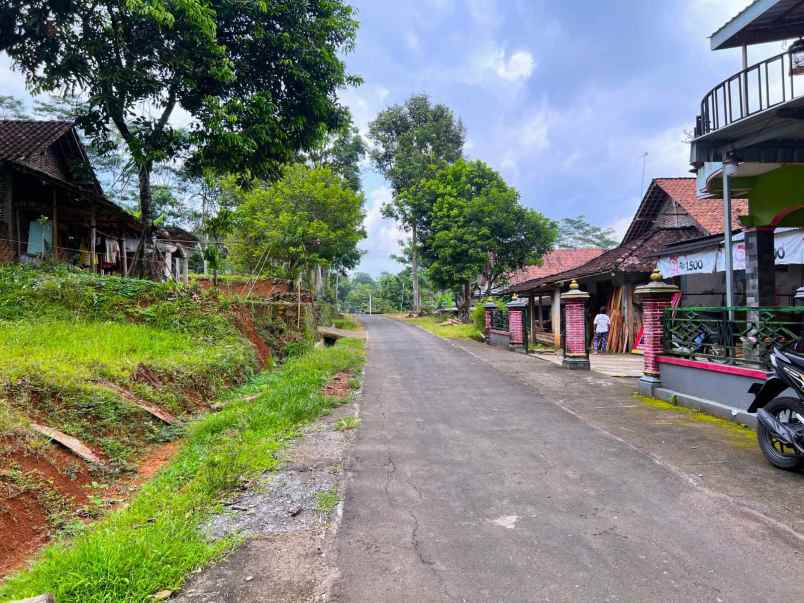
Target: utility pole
pixel 728 168
pixel 369 304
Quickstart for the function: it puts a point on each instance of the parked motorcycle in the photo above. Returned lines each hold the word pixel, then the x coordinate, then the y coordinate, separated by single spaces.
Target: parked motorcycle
pixel 780 419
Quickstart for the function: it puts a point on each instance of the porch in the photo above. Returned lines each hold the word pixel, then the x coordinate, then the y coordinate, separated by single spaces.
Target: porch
pixel 611 365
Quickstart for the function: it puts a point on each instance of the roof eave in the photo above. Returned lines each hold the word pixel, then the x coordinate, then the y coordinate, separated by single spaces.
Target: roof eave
pixel 727 35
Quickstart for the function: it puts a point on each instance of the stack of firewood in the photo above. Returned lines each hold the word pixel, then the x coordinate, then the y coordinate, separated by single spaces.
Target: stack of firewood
pixel 618 342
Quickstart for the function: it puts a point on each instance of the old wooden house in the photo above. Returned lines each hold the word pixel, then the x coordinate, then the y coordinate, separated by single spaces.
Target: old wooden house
pixel 52 206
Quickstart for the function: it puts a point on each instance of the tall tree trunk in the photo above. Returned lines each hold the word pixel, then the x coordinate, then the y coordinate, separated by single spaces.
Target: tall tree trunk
pixel 414 270
pixel 145 220
pixel 465 302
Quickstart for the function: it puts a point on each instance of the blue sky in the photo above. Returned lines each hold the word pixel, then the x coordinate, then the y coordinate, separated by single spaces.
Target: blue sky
pixel 562 97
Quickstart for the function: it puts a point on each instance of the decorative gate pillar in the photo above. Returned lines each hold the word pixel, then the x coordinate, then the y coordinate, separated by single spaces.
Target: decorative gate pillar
pixel 488 311
pixel 576 355
pixel 655 297
pixel 516 322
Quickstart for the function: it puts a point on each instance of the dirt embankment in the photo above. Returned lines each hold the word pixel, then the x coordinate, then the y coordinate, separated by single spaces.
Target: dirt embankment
pixel 45 489
pixel 262 288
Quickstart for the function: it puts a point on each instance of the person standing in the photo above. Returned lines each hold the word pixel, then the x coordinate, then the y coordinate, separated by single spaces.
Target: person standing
pixel 602 324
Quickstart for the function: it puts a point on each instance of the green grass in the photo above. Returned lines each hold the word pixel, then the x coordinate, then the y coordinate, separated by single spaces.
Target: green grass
pixel 52 369
pixel 449 331
pixel 346 423
pixel 76 351
pixel 738 434
pixel 62 331
pixel 155 542
pixel 327 500
pixel 347 323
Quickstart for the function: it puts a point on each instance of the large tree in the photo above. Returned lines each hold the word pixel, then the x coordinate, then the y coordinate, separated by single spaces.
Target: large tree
pixel 258 80
pixel 342 151
pixel 478 226
pixel 578 232
pixel 411 142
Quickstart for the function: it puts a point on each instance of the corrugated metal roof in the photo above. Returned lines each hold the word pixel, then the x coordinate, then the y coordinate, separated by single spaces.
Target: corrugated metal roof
pixel 761 21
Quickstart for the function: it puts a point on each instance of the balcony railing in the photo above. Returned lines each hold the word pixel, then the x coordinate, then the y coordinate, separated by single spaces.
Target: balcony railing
pixel 752 90
pixel 744 338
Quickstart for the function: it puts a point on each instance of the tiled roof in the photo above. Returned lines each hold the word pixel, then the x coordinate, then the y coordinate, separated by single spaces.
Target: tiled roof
pixel 638 255
pixel 20 139
pixel 706 212
pixel 554 262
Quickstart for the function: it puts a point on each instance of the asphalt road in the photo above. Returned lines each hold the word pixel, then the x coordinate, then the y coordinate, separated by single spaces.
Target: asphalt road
pixel 467 485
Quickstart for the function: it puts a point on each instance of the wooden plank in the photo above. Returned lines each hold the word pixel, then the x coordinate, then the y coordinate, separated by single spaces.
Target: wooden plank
pixel 155 411
pixel 74 445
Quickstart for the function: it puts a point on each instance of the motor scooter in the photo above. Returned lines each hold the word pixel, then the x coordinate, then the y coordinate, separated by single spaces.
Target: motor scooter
pixel 780 418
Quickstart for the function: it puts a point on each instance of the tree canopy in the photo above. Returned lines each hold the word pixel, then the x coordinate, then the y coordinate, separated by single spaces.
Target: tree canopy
pixel 479 227
pixel 307 218
pixel 578 232
pixel 257 79
pixel 342 151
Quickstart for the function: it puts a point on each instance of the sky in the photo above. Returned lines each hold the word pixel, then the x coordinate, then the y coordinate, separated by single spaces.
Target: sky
pixel 563 98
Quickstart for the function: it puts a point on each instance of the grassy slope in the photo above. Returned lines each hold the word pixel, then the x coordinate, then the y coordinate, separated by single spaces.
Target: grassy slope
pixel 153 543
pixel 347 323
pixel 436 327
pixel 62 332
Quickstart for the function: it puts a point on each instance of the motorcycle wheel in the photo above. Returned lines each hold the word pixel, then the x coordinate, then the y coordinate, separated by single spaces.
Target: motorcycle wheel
pixel 779 454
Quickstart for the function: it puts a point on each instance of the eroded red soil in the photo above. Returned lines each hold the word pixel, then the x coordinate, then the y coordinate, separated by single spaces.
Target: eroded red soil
pixel 338 386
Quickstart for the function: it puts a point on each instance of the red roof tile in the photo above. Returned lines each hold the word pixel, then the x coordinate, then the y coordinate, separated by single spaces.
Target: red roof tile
pixel 554 262
pixel 706 212
pixel 638 255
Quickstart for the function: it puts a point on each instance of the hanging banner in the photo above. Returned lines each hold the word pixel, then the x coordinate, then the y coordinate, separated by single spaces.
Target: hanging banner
pixel 699 262
pixel 737 257
pixel 788 249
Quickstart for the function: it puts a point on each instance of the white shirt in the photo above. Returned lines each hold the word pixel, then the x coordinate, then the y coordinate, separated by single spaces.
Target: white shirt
pixel 602 323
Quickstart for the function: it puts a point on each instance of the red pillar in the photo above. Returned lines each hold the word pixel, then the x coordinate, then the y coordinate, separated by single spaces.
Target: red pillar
pixel 655 297
pixel 516 321
pixel 574 300
pixel 489 309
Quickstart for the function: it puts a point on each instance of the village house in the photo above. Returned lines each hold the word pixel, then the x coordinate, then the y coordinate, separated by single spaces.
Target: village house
pixel 554 262
pixel 670 212
pixel 53 207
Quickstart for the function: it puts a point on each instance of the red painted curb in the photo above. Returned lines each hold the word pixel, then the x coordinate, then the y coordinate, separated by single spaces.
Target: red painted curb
pixel 715 368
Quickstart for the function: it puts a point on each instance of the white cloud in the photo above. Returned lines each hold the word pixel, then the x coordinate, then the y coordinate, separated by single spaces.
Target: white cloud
pixel 383 234
pixel 620 225
pixel 364 103
pixel 518 66
pixel 522 141
pixel 412 40
pixel 485 13
pixel 704 17
pixel 535 132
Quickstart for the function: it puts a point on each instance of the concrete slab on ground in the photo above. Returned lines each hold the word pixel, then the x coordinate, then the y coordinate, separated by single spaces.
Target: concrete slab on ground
pixel 611 365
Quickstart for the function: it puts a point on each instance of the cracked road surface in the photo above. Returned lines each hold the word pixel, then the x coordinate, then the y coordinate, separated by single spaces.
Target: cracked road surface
pixel 467 485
